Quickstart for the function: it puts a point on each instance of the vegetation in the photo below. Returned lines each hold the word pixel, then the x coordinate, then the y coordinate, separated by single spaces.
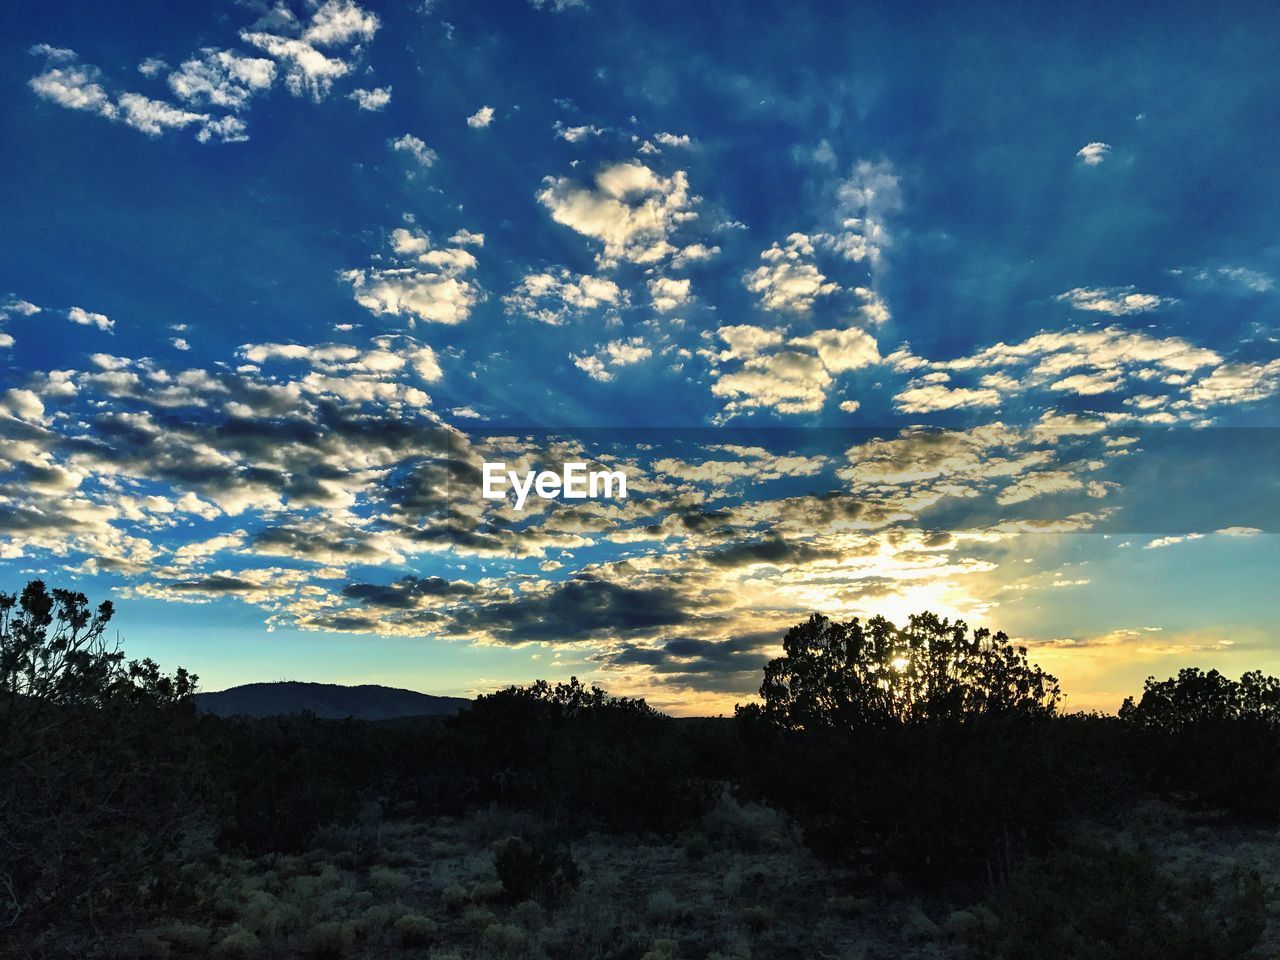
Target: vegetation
pixel 909 792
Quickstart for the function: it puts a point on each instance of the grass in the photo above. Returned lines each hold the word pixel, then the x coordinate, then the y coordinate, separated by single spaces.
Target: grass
pixel 429 890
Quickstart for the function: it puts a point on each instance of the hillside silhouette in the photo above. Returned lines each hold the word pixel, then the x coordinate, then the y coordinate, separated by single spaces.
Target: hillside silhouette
pixel 329 701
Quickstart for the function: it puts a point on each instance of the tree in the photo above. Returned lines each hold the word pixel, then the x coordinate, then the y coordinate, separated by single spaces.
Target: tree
pixel 842 676
pixel 54 651
pixel 1196 697
pixel 94 802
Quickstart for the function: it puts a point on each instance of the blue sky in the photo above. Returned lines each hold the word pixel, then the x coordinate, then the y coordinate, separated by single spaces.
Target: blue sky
pixel 882 310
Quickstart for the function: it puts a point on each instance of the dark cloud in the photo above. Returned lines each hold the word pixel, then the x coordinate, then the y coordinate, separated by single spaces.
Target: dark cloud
pixel 580 609
pixel 407 592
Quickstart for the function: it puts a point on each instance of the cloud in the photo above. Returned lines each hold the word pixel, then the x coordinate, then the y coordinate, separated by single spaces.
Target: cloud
pixel 1092 154
pixel 423 282
pixel 87 319
pixel 745 340
pixel 616 353
pixel 922 396
pixel 787 381
pixel 222 78
pixel 1114 301
pixel 416 148
pixel 788 280
pixel 576 134
pixel 1088 363
pixel 581 609
pixel 308 71
pixel 668 294
pixel 555 297
pixel 481 118
pixel 218 79
pixel 672 140
pixel 633 211
pixel 1234 383
pixel 558 6
pixel 841 350
pixel 1160 542
pixel 1229 277
pixel 374 99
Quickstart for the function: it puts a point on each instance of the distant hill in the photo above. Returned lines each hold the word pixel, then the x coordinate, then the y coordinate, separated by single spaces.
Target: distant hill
pixel 328 700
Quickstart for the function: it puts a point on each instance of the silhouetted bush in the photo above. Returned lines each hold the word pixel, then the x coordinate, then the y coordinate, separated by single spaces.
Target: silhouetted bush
pixel 535 868
pixel 1207 737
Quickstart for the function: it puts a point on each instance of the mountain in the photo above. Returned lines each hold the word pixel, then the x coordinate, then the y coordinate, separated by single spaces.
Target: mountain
pixel 329 700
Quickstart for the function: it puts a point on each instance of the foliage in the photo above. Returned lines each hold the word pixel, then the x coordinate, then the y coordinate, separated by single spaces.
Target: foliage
pixel 1206 736
pixel 1196 697
pixel 847 676
pixel 97 802
pixel 535 868
pixel 1094 902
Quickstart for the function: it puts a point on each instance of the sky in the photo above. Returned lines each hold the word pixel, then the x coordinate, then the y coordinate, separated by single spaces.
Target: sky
pixel 880 310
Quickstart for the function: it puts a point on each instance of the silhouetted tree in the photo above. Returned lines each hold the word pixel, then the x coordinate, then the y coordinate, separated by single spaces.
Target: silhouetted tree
pixel 94 801
pixel 851 675
pixel 1196 697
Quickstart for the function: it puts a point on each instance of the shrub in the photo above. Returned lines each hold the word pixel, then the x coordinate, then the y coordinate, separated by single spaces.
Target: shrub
pixel 1109 903
pixel 330 939
pixel 503 938
pixel 388 881
pixel 414 930
pixel 455 897
pixel 238 944
pixel 537 868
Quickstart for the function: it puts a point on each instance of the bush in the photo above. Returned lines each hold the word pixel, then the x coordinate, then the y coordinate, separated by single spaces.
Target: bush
pixel 413 930
pixel 537 868
pixel 330 940
pixel 1098 902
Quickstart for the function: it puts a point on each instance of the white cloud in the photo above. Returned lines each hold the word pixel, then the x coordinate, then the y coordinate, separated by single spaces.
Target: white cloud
pixel 1237 383
pixel 1171 540
pixel 927 397
pixel 672 140
pixel 1092 154
pixel 374 99
pixel 623 353
pixel 745 341
pixel 631 209
pixel 668 294
pixel 308 71
pixel 617 353
pixel 87 319
pixel 841 350
pixel 416 148
pixel 787 381
pixel 426 283
pixel 222 78
pixel 788 280
pixel 481 118
pixel 78 87
pixel 554 297
pixel 1114 301
pixel 340 22
pixel 153 117
pixel 576 134
pixel 558 6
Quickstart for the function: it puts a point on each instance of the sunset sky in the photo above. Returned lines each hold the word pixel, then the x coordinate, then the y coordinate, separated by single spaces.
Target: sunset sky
pixel 882 308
